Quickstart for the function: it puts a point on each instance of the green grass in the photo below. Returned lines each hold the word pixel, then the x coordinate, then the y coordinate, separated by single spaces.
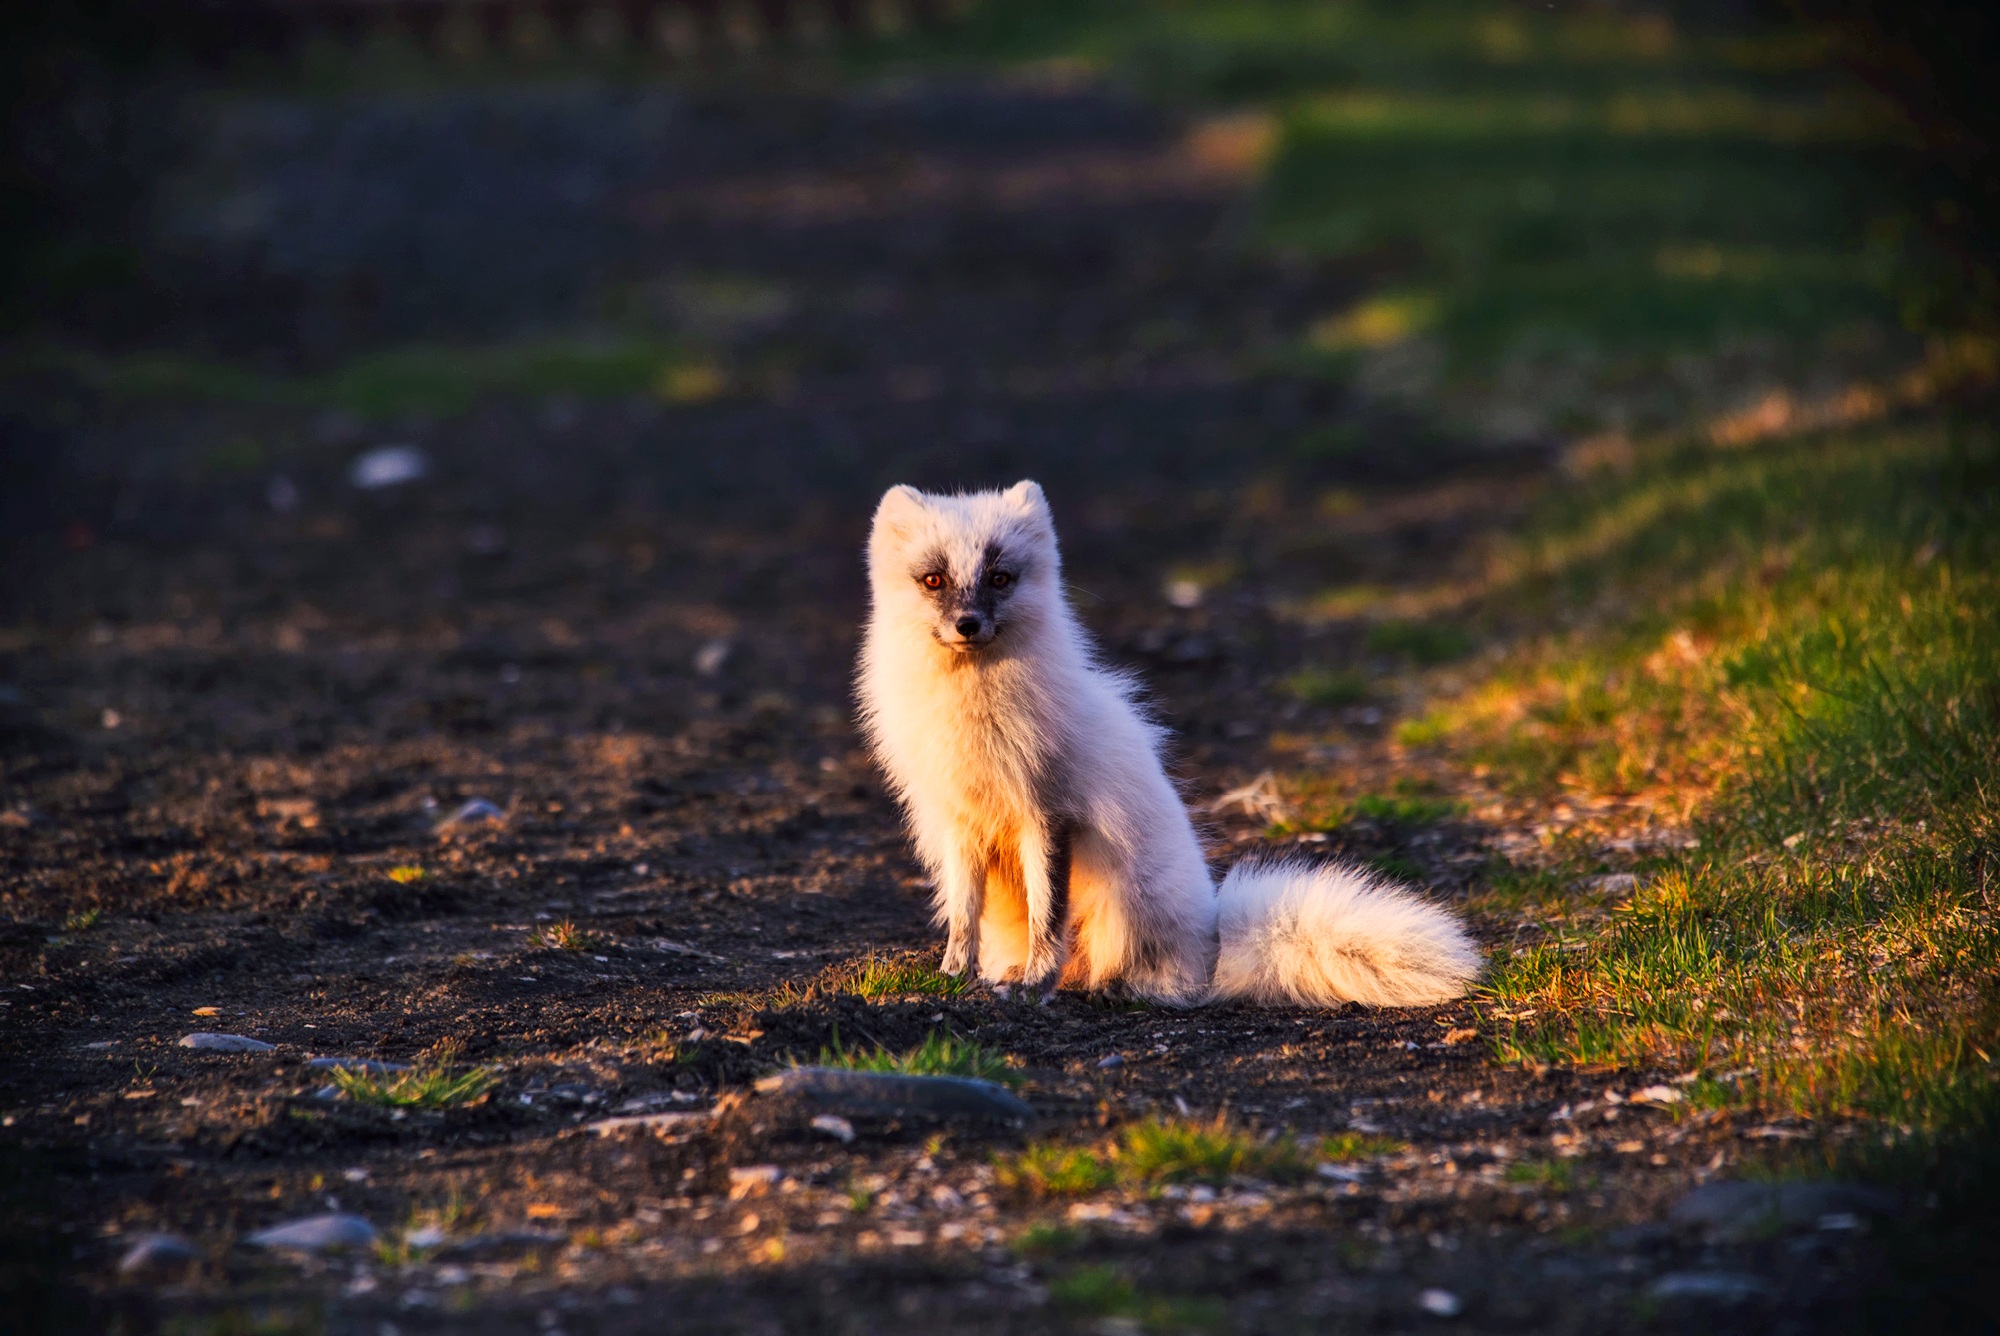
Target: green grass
pixel 897 976
pixel 1798 645
pixel 940 1054
pixel 1328 687
pixel 1347 1147
pixel 1151 1154
pixel 1321 805
pixel 1420 642
pixel 1105 1292
pixel 436 1082
pixel 1046 1170
pixel 434 379
pixel 1553 1175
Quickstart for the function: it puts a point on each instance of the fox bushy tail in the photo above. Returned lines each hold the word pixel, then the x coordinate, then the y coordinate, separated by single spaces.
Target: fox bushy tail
pixel 1318 935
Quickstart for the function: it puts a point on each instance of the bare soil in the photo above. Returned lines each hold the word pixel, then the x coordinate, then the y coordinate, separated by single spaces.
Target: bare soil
pixel 629 626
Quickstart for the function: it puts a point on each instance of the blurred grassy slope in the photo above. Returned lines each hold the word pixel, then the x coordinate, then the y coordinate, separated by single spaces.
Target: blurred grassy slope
pixel 1762 606
pixel 1594 219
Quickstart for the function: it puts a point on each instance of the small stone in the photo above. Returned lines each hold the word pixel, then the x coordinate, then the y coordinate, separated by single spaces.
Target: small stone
pixel 430 1236
pixel 753 1180
pixel 708 660
pixel 157 1252
pixel 226 1043
pixel 1109 1061
pixel 1723 1287
pixel 475 811
pixel 366 1066
pixel 1658 1094
pixel 1440 1303
pixel 316 1233
pixel 834 1126
pixel 388 466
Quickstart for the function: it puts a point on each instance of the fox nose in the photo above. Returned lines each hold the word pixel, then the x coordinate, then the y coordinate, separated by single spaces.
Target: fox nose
pixel 968 627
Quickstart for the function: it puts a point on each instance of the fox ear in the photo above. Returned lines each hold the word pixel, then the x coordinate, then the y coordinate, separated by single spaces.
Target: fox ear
pixel 1027 494
pixel 899 510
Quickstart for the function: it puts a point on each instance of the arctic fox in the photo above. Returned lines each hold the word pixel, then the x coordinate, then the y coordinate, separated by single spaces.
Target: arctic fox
pixel 1034 790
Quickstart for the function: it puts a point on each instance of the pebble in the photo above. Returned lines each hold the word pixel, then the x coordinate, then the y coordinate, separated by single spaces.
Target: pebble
pixel 708 660
pixel 157 1252
pixel 834 1126
pixel 366 1066
pixel 474 810
pixel 1440 1303
pixel 316 1233
pixel 1723 1287
pixel 1110 1060
pixel 1741 1210
pixel 226 1043
pixel 753 1180
pixel 388 466
pixel 1657 1094
pixel 888 1094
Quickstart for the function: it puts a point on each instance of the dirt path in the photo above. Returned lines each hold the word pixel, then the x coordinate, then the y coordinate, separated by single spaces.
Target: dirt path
pixel 240 692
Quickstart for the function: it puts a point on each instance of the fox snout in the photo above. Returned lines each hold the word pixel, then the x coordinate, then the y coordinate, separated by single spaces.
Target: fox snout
pixel 973 629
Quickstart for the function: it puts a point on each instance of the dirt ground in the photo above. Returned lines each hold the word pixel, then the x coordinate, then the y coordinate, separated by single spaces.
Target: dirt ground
pixel 236 692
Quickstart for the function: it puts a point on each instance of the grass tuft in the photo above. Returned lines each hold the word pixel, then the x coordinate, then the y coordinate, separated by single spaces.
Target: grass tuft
pixel 433 1083
pixel 940 1054
pixel 1151 1154
pixel 564 936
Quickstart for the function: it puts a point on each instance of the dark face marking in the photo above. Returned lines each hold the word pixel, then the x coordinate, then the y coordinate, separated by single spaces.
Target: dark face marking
pixel 968 614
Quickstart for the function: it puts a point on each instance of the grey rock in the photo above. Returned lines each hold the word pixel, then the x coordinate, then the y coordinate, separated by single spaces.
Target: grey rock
pixel 316 1233
pixel 366 1066
pixel 157 1252
pixel 1440 1303
pixel 1720 1287
pixel 890 1095
pixel 1742 1210
pixel 226 1043
pixel 1109 1061
pixel 475 811
pixel 388 466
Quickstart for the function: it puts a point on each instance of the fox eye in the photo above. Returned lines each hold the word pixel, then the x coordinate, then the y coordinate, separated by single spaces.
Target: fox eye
pixel 933 581
pixel 1000 579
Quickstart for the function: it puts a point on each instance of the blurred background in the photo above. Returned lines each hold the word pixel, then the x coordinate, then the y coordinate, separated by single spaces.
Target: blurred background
pixel 795 251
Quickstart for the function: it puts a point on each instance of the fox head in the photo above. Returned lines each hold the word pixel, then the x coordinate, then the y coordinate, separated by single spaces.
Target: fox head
pixel 973 572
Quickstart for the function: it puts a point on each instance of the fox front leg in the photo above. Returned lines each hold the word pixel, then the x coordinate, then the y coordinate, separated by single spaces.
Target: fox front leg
pixel 1045 866
pixel 962 896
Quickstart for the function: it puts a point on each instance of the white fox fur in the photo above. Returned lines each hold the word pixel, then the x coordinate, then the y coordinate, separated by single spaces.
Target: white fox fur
pixel 1035 794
